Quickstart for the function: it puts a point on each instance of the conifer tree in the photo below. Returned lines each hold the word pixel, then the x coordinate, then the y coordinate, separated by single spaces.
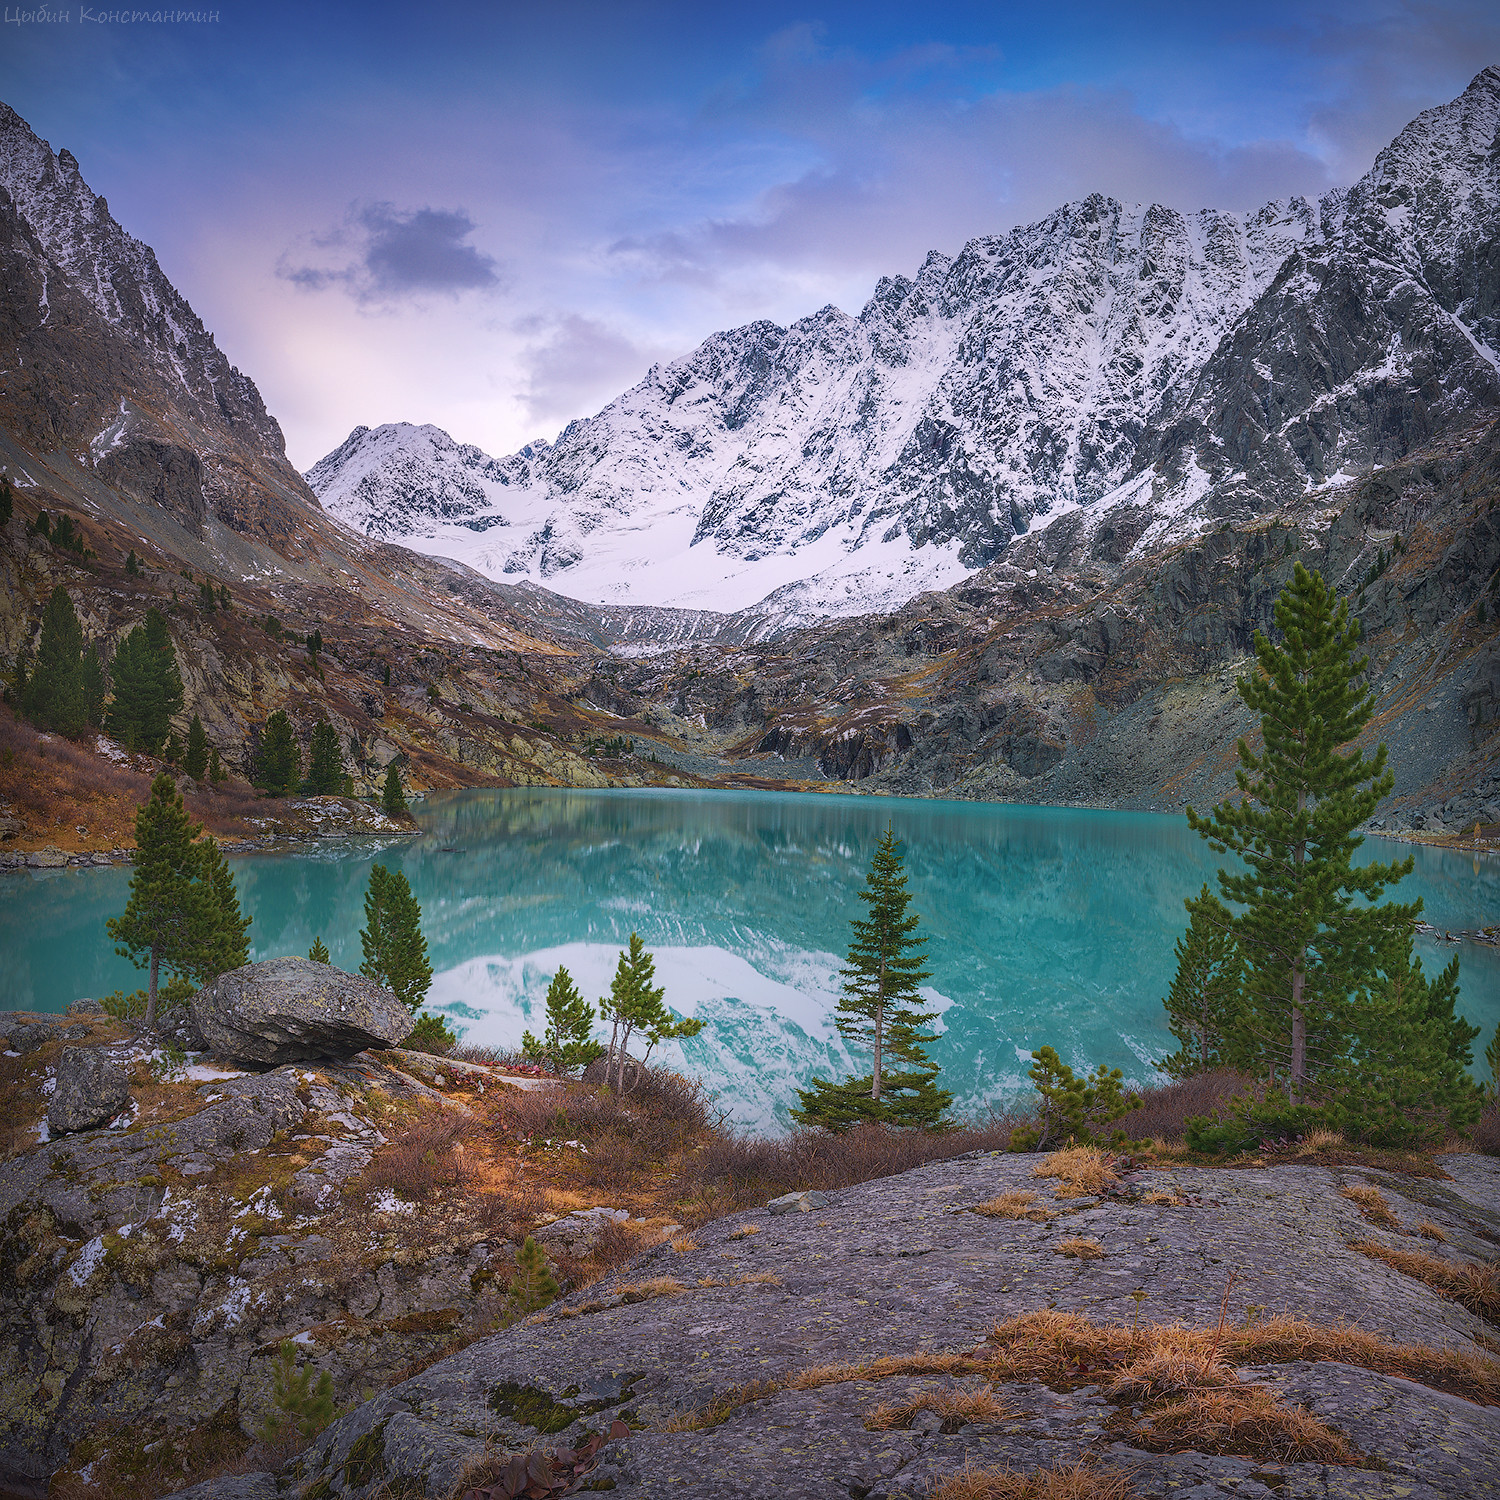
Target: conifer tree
pixel 325 772
pixel 533 1285
pixel 635 1003
pixel 170 913
pixel 1203 1002
pixel 195 759
pixel 215 768
pixel 279 764
pixel 392 798
pixel 54 697
pixel 7 502
pixel 568 1041
pixel 394 948
pixel 132 564
pixel 147 686
pixel 1309 948
pixel 95 686
pixel 319 951
pixel 1405 1079
pixel 880 1013
pixel 226 944
pixel 172 753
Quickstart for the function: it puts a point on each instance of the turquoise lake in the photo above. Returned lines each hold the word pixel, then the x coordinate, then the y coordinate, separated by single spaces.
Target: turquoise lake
pixel 1045 925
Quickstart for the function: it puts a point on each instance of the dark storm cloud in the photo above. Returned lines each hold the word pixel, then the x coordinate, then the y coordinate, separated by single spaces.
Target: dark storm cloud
pixel 386 254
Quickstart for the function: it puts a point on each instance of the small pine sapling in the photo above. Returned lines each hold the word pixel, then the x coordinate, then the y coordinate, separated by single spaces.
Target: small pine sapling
pixel 300 1406
pixel 319 951
pixel 568 1042
pixel 1074 1108
pixel 533 1286
pixel 430 1034
pixel 635 1003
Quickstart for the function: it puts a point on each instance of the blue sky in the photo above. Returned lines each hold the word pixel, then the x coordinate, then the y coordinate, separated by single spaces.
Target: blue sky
pixel 495 217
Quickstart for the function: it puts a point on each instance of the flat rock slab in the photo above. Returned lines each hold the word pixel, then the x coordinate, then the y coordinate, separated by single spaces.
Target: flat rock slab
pixel 902 1265
pixel 289 1010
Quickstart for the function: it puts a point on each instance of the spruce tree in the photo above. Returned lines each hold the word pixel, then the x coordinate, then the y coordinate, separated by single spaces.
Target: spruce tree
pixel 635 1003
pixel 171 912
pixel 325 772
pixel 394 948
pixel 533 1285
pixel 1203 1003
pixel 215 768
pixel 880 1013
pixel 55 694
pixel 132 564
pixel 319 951
pixel 147 686
pixel 392 798
pixel 195 760
pixel 279 764
pixel 568 1041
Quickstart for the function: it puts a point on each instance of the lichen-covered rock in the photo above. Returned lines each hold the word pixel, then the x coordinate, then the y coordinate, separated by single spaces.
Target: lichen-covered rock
pixel 91 1088
pixel 294 1010
pixel 577 1233
pixel 82 1009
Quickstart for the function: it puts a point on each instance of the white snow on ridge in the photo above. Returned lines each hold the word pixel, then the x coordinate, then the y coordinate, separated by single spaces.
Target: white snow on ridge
pixel 845 464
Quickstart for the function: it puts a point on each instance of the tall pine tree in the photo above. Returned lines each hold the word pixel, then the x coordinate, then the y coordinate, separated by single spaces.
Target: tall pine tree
pixel 195 760
pixel 1203 1003
pixel 1309 928
pixel 278 767
pixel 392 798
pixel 55 697
pixel 394 948
pixel 147 686
pixel 177 917
pixel 325 772
pixel 880 1012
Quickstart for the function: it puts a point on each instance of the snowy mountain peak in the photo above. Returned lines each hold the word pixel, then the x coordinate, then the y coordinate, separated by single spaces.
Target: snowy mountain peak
pixel 1100 356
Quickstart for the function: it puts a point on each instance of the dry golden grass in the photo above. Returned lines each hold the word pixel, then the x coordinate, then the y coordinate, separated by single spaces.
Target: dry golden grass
pixel 1372 1205
pixel 745 1231
pixel 1247 1420
pixel 682 1243
pixel 1430 1231
pixel 1082 1171
pixel 1080 1247
pixel 1160 1373
pixel 1164 1200
pixel 955 1408
pixel 1320 1140
pixel 1018 1204
pixel 1061 1349
pixel 1474 1287
pixel 1072 1482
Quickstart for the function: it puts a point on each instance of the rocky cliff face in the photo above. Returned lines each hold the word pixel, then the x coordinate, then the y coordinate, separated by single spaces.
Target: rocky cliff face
pixel 1195 367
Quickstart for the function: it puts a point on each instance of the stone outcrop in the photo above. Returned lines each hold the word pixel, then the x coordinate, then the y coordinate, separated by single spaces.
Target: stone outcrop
pixel 903 1266
pixel 292 1009
pixel 91 1088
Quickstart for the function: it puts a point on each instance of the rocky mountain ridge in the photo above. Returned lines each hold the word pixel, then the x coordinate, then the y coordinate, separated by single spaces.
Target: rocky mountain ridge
pixel 1189 367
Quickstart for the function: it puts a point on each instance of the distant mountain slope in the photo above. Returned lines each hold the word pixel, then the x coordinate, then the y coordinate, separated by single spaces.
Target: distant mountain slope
pixel 1199 367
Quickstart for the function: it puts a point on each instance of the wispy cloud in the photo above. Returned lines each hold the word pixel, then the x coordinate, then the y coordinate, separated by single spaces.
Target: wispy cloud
pixel 385 254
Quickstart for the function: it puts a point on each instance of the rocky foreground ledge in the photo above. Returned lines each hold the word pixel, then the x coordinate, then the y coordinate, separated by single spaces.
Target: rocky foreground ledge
pixel 722 1356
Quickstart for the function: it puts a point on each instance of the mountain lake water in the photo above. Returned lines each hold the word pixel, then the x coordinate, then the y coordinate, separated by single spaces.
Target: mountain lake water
pixel 1044 925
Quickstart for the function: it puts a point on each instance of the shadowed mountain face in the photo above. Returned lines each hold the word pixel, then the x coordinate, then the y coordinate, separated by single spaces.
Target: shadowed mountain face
pixel 1199 367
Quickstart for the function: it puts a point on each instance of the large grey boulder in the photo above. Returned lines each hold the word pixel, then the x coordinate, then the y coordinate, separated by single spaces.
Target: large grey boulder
pixel 91 1089
pixel 293 1010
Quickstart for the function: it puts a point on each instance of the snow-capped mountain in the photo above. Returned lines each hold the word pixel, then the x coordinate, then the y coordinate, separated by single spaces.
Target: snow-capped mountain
pixel 1200 366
